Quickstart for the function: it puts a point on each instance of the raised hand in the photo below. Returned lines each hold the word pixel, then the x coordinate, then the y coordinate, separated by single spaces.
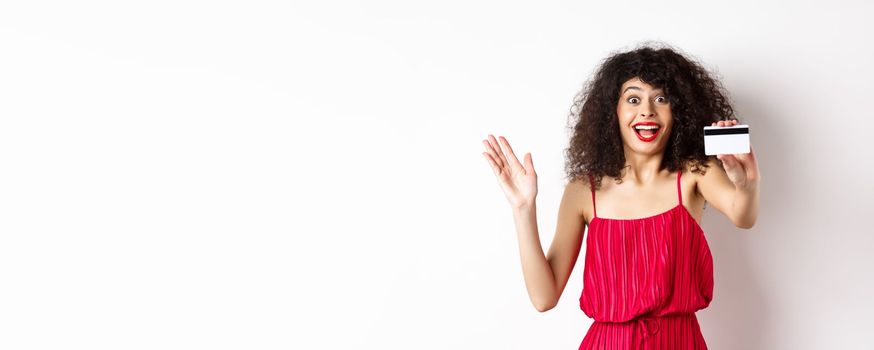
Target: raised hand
pixel 742 168
pixel 517 180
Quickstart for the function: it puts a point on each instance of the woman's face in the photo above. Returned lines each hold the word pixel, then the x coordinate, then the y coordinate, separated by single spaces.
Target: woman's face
pixel 645 119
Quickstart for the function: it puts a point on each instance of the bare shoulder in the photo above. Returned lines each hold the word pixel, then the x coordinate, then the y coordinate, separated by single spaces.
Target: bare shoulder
pixel 715 187
pixel 711 163
pixel 577 198
pixel 714 170
pixel 714 167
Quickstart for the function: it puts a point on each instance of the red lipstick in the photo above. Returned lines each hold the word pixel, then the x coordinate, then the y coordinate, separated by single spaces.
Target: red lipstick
pixel 649 127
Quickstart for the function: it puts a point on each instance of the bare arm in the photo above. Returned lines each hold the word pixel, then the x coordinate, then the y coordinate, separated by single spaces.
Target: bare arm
pixel 731 185
pixel 547 276
pixel 740 205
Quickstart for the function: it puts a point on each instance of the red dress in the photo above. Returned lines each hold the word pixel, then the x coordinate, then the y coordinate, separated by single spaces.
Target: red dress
pixel 644 279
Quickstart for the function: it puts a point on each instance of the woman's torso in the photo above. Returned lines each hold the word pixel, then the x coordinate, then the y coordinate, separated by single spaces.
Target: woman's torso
pixel 644 264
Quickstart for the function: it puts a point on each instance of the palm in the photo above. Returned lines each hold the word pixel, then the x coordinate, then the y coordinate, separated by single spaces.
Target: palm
pixel 517 180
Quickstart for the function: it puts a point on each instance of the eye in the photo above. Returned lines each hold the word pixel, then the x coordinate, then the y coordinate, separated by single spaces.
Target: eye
pixel 633 100
pixel 662 99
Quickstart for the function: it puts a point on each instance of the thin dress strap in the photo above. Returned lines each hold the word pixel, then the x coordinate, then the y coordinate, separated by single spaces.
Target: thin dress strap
pixel 592 187
pixel 679 192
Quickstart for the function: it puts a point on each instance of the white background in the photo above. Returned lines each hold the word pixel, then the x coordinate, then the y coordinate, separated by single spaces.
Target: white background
pixel 284 175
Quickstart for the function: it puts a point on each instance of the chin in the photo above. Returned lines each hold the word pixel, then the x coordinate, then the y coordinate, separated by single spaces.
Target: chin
pixel 650 149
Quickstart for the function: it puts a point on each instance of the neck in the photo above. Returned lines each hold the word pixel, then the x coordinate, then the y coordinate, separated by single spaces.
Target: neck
pixel 641 168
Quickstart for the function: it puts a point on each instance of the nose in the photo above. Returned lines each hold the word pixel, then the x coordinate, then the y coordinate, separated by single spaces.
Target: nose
pixel 646 110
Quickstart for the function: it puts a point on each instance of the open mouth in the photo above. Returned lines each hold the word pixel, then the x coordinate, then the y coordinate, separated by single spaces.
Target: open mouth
pixel 646 132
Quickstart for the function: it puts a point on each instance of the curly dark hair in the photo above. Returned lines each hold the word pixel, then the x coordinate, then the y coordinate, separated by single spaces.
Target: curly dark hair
pixel 697 99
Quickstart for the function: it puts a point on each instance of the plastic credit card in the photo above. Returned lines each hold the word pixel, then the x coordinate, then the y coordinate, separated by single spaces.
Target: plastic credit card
pixel 726 139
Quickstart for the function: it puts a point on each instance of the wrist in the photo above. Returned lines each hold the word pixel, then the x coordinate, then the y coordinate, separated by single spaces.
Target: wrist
pixel 523 207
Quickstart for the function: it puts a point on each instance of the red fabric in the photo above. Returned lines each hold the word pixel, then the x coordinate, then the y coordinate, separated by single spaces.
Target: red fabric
pixel 644 279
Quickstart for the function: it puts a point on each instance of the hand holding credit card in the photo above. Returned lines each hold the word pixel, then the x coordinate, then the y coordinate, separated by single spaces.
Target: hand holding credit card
pixel 728 139
pixel 730 143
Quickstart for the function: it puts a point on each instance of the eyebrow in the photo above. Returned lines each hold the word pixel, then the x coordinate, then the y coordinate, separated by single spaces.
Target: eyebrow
pixel 637 88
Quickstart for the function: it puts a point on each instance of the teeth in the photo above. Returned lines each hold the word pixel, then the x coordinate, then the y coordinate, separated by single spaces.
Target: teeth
pixel 646 127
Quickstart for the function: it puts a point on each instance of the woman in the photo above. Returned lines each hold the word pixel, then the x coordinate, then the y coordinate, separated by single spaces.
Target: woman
pixel 639 180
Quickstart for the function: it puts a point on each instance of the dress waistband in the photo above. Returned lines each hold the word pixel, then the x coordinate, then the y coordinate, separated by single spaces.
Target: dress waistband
pixel 646 326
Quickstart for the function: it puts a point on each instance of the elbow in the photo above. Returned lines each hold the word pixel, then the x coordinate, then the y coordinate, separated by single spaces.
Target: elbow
pixel 744 220
pixel 748 224
pixel 544 307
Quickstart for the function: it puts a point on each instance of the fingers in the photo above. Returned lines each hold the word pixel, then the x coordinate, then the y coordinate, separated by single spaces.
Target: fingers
pixel 752 154
pixel 728 161
pixel 494 150
pixel 732 122
pixel 495 168
pixel 723 157
pixel 511 156
pixel 748 161
pixel 502 154
pixel 529 163
pixel 743 157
